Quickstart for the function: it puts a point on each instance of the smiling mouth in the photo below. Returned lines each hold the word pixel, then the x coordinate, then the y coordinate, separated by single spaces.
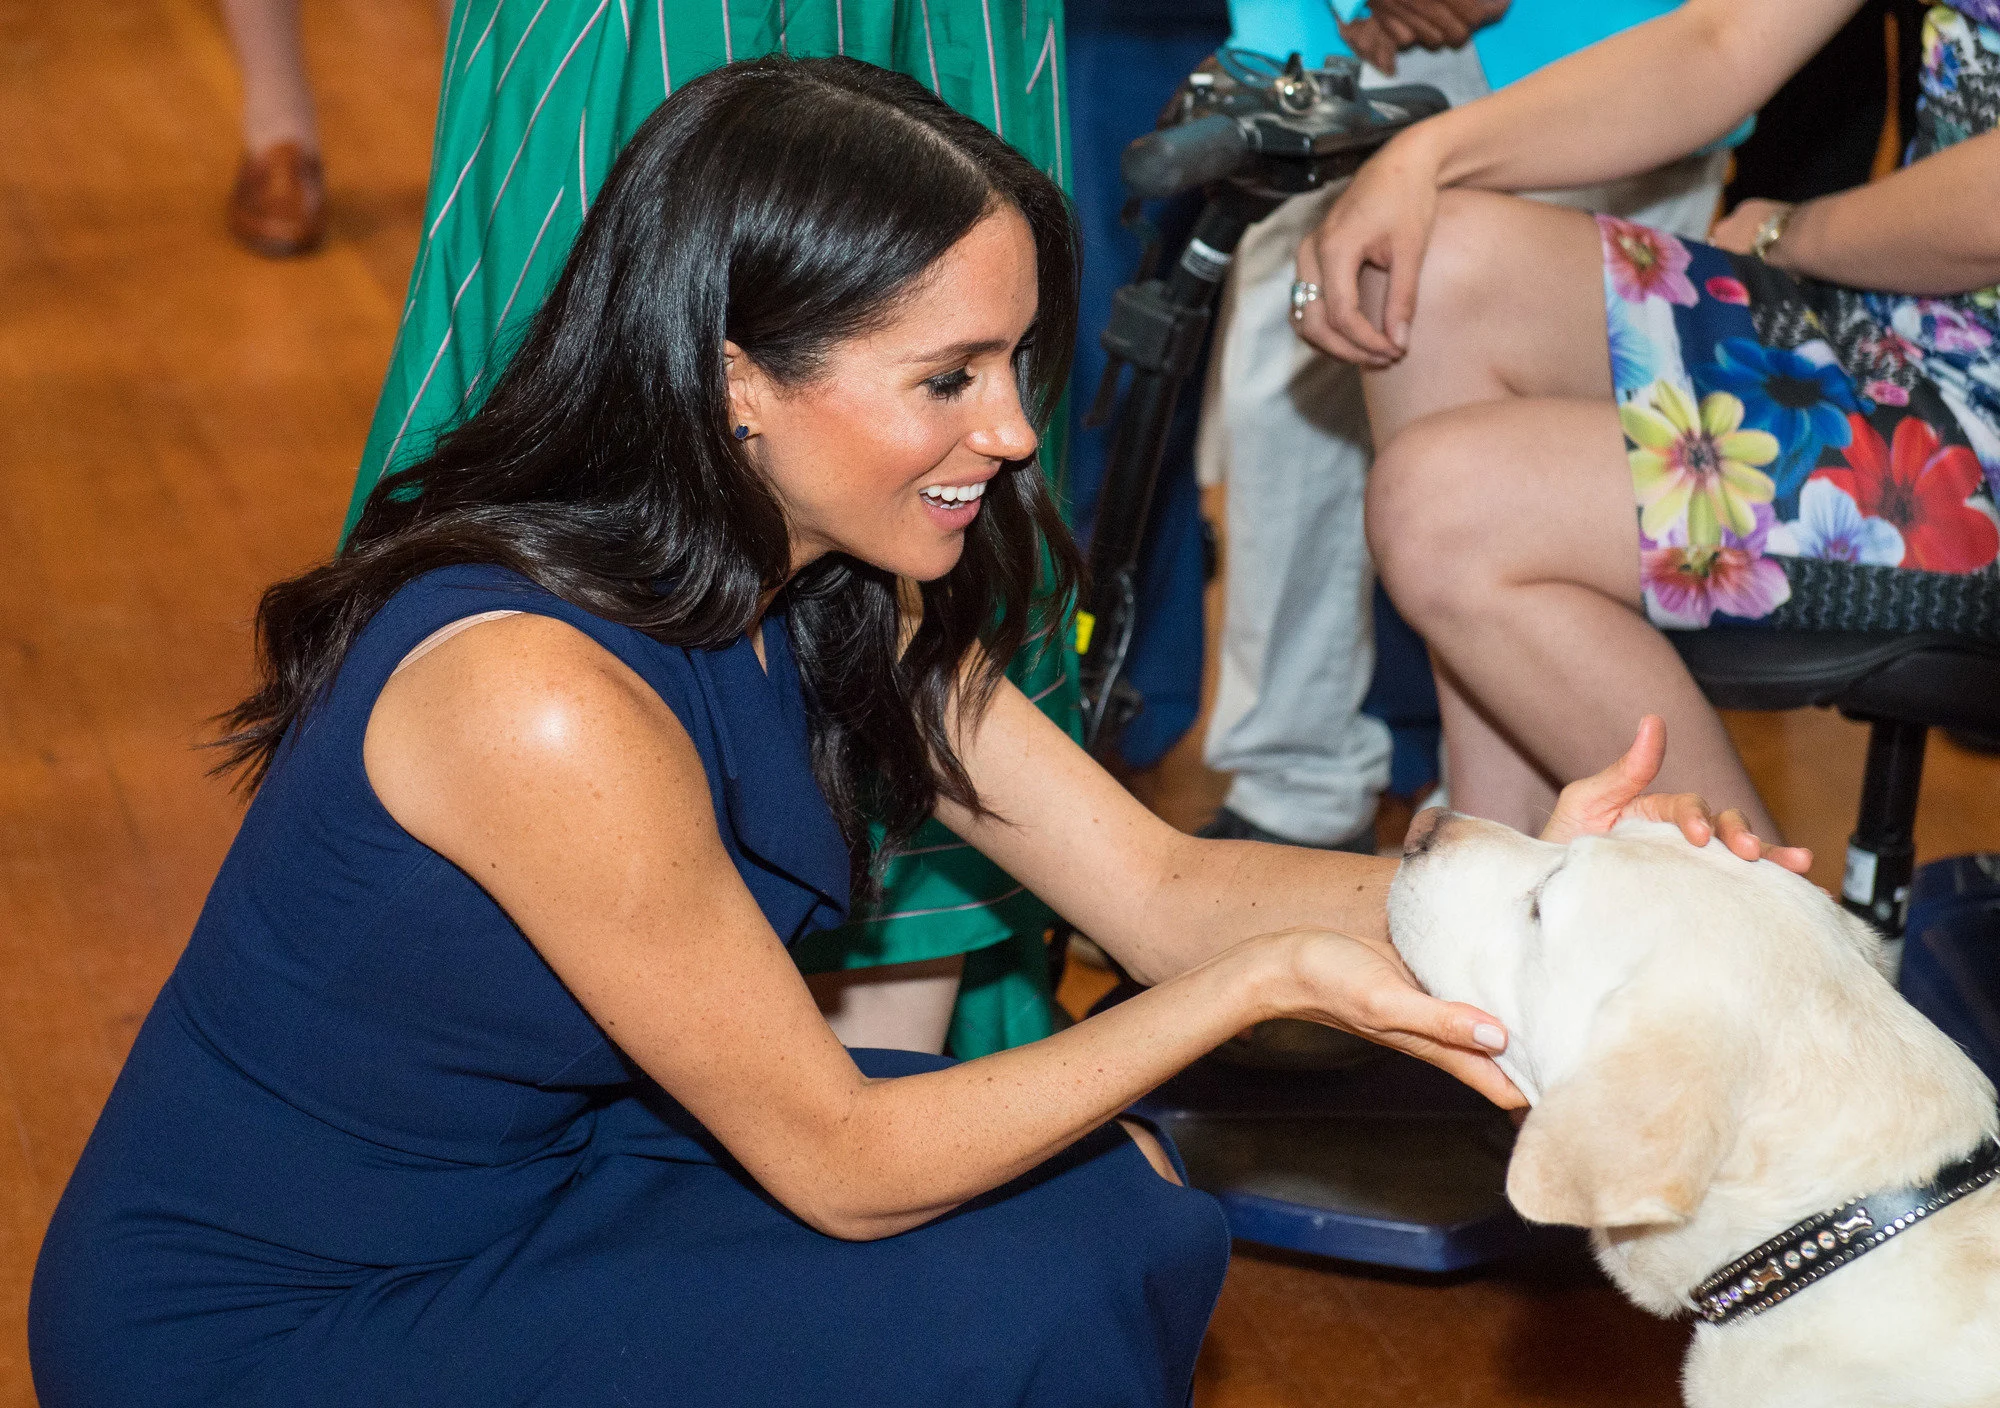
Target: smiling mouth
pixel 950 496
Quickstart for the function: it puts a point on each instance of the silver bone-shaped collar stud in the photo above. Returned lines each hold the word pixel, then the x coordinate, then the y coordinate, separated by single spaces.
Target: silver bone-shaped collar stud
pixel 1805 1252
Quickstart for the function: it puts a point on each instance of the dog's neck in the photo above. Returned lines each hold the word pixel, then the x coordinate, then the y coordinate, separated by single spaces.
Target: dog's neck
pixel 1902 1108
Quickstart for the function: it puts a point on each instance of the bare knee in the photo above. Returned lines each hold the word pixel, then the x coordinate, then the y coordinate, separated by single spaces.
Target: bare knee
pixel 1458 272
pixel 1473 233
pixel 897 1006
pixel 1509 301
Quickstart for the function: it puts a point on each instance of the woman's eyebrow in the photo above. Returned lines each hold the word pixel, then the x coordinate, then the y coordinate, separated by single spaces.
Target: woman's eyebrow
pixel 962 351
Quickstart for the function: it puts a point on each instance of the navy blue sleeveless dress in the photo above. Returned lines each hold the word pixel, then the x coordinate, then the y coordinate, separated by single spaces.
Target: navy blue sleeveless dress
pixel 368 1150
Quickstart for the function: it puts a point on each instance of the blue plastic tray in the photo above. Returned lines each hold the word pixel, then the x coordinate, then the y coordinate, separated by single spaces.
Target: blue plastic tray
pixel 1392 1163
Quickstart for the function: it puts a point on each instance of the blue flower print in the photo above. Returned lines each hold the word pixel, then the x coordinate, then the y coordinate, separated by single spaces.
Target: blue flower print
pixel 1944 66
pixel 1830 526
pixel 1802 399
pixel 1633 362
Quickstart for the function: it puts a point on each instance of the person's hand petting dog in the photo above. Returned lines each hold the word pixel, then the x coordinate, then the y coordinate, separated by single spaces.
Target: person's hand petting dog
pixel 1360 983
pixel 1392 25
pixel 1593 805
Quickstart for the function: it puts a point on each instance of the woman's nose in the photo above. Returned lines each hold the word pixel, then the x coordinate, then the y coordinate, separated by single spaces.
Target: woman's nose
pixel 1007 437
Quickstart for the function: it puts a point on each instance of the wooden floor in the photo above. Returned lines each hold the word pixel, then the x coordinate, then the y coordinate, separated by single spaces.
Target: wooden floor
pixel 178 427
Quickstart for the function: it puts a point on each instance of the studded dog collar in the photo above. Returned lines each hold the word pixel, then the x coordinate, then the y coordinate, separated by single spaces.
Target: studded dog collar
pixel 1807 1251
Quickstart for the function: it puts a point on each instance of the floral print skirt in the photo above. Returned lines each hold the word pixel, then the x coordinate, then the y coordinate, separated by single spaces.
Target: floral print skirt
pixel 1777 482
pixel 1806 456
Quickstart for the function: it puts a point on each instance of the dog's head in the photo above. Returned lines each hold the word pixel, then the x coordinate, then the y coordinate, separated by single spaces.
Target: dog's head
pixel 1656 995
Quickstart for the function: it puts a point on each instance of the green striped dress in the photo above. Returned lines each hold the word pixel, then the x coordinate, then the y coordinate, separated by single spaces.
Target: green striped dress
pixel 537 98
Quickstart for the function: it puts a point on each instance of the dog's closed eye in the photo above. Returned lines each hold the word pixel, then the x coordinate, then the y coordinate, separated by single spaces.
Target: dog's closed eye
pixel 1535 895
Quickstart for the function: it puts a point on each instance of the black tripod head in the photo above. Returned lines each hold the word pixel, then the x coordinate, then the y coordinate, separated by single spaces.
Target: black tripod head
pixel 1278 129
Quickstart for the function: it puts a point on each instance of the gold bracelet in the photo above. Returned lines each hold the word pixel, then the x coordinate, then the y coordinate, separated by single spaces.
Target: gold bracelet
pixel 1769 232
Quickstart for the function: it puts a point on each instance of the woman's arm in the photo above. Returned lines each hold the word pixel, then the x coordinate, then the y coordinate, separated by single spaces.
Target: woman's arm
pixel 547 771
pixel 1931 228
pixel 1162 902
pixel 1159 901
pixel 1630 103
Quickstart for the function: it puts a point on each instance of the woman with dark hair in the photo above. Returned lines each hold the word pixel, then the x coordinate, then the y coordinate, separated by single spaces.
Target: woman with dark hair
pixel 486 1077
pixel 535 103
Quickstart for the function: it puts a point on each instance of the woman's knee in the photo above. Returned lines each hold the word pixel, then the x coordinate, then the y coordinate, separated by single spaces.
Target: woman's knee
pixel 1477 244
pixel 1519 283
pixel 1467 505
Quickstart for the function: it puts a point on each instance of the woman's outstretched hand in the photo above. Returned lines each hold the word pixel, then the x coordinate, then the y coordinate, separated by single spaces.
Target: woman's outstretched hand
pixel 1381 221
pixel 1593 805
pixel 1361 986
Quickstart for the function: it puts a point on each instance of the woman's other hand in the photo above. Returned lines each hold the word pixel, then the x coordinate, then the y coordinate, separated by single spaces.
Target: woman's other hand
pixel 1361 986
pixel 1593 805
pixel 1737 231
pixel 1381 222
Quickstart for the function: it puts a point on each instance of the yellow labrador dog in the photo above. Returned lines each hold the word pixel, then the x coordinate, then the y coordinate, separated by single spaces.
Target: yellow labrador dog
pixel 1758 1130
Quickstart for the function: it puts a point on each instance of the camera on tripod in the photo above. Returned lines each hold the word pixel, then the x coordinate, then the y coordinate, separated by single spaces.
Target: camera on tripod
pixel 1252 132
pixel 1280 128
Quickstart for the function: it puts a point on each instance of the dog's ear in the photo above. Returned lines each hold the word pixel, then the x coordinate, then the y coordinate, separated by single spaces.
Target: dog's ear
pixel 1635 1134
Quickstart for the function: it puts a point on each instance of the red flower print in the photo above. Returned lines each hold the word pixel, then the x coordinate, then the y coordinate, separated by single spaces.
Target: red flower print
pixel 1921 487
pixel 1724 289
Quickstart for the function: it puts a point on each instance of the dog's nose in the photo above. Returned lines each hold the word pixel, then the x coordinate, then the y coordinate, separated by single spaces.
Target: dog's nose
pixel 1423 833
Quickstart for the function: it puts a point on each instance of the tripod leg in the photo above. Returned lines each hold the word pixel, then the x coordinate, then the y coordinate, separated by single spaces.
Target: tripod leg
pixel 1158 327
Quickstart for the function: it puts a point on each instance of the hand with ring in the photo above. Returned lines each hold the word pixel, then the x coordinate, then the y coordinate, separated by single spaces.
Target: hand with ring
pixel 1381 222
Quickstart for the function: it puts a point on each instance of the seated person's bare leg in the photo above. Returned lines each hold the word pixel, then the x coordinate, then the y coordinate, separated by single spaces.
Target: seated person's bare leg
pixel 1483 763
pixel 895 1006
pixel 1501 518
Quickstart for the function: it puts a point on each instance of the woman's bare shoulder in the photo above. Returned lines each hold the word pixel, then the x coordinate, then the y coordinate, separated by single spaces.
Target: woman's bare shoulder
pixel 518 715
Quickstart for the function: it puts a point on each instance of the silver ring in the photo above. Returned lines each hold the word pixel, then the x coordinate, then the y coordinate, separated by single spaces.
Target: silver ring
pixel 1303 292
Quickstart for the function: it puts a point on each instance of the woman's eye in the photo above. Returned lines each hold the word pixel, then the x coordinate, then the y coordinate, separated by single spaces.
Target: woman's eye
pixel 947 386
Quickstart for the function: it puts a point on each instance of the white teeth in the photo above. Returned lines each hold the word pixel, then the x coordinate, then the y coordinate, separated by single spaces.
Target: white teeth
pixel 954 494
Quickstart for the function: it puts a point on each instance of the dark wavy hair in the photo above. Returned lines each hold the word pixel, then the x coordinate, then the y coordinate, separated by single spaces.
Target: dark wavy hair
pixel 784 205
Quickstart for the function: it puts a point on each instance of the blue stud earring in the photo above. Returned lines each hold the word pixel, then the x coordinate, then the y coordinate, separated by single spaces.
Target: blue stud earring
pixel 742 432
